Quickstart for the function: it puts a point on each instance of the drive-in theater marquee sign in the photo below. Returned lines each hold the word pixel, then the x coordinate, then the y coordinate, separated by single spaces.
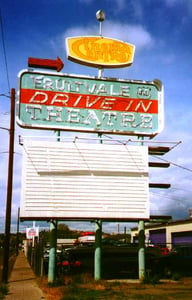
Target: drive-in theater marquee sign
pixel 80 103
pixel 88 181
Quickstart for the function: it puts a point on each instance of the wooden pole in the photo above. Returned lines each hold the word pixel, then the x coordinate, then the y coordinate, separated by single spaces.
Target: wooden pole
pixel 9 190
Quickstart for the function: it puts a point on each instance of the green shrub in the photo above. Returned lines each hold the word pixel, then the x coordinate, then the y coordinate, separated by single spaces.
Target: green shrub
pixel 3 290
pixel 176 276
pixel 153 279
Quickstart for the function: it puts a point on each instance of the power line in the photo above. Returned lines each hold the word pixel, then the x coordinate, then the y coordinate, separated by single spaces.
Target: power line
pixel 4 50
pixel 6 152
pixel 5 95
pixel 174 164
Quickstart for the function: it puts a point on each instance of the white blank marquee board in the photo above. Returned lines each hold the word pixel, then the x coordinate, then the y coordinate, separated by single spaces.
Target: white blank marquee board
pixel 66 180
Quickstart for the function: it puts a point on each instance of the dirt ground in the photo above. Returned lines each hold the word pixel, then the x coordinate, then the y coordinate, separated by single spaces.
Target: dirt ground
pixel 114 290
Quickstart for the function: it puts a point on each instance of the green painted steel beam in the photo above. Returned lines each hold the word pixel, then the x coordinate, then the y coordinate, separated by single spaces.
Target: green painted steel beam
pixel 98 244
pixel 52 252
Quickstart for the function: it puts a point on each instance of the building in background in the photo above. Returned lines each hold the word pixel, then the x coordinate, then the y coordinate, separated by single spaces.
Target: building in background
pixel 170 234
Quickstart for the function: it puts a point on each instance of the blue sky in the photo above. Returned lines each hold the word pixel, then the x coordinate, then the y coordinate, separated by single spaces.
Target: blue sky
pixel 161 32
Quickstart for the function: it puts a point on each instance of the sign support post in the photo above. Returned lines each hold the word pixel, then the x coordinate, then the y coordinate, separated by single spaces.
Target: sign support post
pixel 53 242
pixel 98 245
pixel 98 223
pixel 52 252
pixel 141 250
pixel 98 237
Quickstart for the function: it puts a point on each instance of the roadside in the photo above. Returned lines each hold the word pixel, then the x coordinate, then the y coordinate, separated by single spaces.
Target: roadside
pixel 23 285
pixel 22 282
pixel 84 288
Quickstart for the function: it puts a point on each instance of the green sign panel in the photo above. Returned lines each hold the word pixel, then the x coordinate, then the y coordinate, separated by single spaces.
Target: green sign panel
pixel 89 104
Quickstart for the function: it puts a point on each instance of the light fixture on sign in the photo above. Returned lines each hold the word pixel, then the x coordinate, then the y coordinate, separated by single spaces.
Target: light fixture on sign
pixel 100 15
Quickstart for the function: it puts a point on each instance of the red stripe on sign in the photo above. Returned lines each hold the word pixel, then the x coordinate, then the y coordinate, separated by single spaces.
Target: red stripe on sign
pixel 52 98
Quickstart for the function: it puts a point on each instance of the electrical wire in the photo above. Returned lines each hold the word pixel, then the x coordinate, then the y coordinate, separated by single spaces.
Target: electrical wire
pixel 6 152
pixel 4 50
pixel 172 163
pixel 5 95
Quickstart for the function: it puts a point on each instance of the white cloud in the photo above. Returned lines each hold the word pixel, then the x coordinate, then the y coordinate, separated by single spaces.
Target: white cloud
pixel 135 34
pixel 81 31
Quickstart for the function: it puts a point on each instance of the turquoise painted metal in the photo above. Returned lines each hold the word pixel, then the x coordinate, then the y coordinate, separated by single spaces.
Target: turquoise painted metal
pixel 98 250
pixel 68 102
pixel 87 120
pixel 53 243
pixel 89 85
pixel 141 251
pixel 52 252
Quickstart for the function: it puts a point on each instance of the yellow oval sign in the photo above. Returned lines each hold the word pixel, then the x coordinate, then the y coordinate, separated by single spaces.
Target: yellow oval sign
pixel 99 51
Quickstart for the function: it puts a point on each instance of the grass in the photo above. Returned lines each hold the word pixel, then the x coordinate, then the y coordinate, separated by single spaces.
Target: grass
pixel 3 290
pixel 78 293
pixel 83 287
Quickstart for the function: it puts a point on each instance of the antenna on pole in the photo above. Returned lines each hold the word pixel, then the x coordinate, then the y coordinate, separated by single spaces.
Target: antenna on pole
pixel 100 15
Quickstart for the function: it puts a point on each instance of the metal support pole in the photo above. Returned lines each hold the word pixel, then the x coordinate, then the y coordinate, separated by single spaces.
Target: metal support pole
pixel 100 73
pixel 52 252
pixel 9 189
pixel 141 250
pixel 53 240
pixel 98 238
pixel 98 242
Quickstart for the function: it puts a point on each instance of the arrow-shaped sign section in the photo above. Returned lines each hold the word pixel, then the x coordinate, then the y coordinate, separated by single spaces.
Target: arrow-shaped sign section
pixel 55 64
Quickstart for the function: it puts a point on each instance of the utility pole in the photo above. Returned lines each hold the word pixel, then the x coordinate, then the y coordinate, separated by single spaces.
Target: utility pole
pixel 9 189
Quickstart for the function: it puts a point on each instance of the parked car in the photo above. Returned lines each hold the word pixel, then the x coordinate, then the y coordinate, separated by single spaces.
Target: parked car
pixel 179 261
pixel 121 262
pixel 66 263
pixel 165 250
